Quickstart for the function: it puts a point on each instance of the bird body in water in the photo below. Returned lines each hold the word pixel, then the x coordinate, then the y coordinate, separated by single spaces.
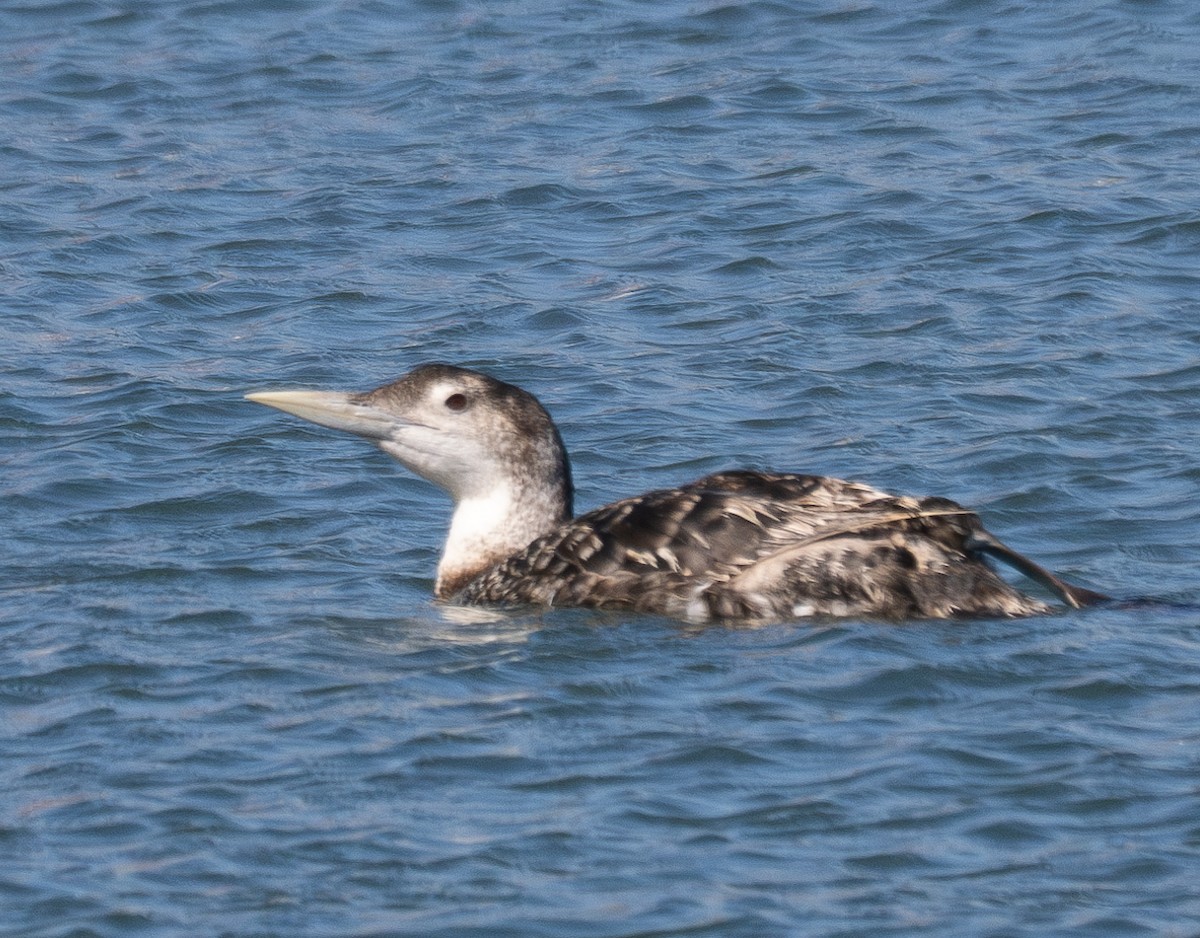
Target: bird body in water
pixel 737 545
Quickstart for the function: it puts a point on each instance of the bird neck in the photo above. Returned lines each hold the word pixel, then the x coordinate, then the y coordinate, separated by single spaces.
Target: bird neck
pixel 487 529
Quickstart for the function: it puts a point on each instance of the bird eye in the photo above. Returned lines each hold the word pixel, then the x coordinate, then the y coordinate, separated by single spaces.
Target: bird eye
pixel 456 402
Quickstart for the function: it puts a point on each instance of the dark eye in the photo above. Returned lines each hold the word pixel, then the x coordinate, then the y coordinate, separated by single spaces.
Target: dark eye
pixel 456 402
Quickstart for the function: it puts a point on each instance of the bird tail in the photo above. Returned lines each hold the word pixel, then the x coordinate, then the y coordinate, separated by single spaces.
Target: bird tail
pixel 1074 596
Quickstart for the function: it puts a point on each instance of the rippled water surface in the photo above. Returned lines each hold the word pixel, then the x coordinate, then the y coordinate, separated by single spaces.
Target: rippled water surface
pixel 947 247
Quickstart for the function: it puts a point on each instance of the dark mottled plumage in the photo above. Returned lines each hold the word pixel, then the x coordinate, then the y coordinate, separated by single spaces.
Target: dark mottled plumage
pixel 735 545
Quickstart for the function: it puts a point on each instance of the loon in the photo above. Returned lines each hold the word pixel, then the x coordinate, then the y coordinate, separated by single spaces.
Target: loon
pixel 736 545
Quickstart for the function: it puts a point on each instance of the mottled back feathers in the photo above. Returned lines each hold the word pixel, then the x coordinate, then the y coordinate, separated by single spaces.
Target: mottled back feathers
pixel 753 545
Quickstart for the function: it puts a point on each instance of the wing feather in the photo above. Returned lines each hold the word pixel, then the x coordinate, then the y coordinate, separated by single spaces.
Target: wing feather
pixel 759 545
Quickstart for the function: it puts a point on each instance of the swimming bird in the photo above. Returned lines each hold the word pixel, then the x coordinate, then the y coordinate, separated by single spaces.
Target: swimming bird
pixel 737 545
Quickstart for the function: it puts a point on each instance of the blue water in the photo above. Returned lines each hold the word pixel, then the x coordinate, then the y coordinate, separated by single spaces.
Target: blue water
pixel 947 247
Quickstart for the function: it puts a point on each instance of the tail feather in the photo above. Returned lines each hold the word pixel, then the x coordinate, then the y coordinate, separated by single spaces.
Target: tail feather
pixel 1074 596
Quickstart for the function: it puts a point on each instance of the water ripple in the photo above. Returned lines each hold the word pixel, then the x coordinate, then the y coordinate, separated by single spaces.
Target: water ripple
pixel 905 245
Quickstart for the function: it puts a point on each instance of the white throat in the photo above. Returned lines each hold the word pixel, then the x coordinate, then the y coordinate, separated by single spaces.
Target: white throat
pixel 489 528
pixel 484 530
pixel 477 524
